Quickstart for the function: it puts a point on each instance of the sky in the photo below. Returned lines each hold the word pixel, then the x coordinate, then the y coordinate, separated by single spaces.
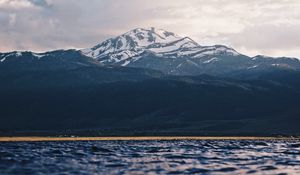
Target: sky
pixel 252 27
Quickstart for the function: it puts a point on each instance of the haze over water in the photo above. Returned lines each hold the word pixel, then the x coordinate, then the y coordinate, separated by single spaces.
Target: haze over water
pixel 151 157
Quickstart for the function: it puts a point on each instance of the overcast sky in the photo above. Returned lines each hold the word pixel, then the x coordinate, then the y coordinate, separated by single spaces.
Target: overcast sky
pixel 270 27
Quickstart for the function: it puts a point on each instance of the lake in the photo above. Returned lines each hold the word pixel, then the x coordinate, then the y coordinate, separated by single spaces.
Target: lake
pixel 228 156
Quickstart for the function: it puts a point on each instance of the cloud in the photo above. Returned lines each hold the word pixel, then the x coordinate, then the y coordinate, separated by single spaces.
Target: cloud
pixel 14 4
pixel 21 4
pixel 253 27
pixel 42 3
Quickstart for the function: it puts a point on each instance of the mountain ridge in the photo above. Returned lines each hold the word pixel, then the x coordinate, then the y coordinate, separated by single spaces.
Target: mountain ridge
pixel 181 55
pixel 163 89
pixel 163 51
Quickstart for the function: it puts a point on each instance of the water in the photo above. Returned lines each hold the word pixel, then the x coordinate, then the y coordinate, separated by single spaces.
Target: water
pixel 151 157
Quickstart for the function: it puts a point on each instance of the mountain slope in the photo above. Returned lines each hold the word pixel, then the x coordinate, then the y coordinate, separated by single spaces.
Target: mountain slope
pixel 130 84
pixel 153 49
pixel 165 51
pixel 53 60
pixel 135 42
pixel 128 100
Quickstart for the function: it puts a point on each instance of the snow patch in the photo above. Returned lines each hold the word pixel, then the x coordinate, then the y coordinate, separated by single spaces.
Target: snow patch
pixel 3 59
pixel 125 63
pixel 252 67
pixel 179 65
pixel 214 59
pixel 18 54
pixel 193 63
pixel 276 64
pixel 38 55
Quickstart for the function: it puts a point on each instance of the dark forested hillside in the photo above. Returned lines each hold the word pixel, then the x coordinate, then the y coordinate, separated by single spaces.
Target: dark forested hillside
pixel 139 101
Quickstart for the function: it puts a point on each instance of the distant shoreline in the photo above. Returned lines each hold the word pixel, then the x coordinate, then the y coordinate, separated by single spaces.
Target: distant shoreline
pixel 140 138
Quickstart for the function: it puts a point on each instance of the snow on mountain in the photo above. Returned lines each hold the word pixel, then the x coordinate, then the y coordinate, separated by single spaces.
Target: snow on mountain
pixel 52 60
pixel 165 51
pixel 159 50
pixel 134 43
pixel 129 46
pixel 8 56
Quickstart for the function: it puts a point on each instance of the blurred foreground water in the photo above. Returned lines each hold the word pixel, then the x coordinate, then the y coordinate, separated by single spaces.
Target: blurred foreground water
pixel 151 157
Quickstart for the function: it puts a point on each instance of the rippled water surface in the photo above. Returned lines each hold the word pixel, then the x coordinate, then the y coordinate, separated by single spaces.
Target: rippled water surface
pixel 151 157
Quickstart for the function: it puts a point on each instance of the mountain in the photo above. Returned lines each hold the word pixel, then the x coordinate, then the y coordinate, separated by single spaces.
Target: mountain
pixel 167 52
pixel 148 82
pixel 154 49
pixel 53 60
pixel 127 47
pixel 130 101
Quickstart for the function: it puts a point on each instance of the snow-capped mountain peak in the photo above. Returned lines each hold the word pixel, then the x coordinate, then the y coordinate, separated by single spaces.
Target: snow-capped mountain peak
pixel 145 37
pixel 137 41
pixel 156 49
